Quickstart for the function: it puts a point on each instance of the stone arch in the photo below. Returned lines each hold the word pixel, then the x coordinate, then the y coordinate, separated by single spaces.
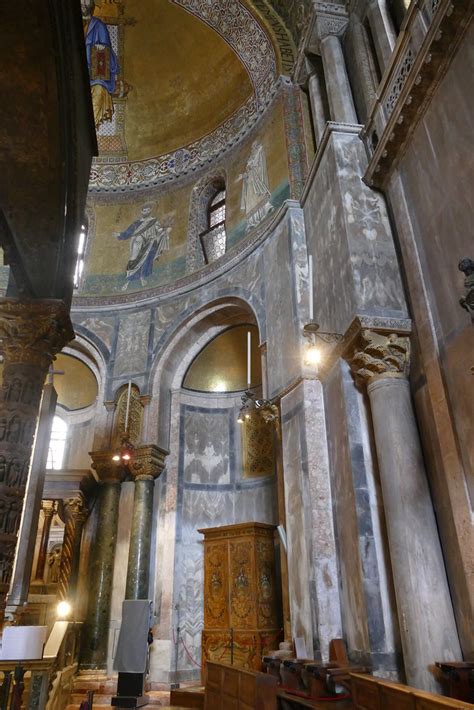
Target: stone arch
pixel 202 193
pixel 188 338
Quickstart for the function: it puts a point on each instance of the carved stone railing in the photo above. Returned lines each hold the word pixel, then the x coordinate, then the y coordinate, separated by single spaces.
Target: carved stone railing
pixel 430 34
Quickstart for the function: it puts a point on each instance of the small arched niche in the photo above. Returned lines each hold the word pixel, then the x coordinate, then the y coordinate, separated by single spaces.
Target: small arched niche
pixel 221 366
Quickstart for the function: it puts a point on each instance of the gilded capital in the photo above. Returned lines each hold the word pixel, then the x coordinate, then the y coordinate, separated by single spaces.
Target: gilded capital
pixel 49 508
pixel 33 331
pixel 107 470
pixel 147 462
pixel 76 509
pixel 380 354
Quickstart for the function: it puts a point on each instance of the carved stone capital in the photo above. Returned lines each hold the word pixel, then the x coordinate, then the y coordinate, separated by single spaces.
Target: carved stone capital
pixel 107 470
pixel 331 19
pixel 147 462
pixel 33 331
pixel 380 354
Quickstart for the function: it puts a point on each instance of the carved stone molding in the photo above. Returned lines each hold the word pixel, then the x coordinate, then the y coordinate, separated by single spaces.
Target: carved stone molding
pixel 377 354
pixel 147 462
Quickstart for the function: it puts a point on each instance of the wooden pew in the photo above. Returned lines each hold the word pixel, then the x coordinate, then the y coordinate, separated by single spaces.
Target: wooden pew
pixel 232 688
pixel 369 693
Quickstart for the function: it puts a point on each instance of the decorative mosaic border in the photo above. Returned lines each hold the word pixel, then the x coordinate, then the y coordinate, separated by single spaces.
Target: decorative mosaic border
pixel 295 140
pixel 241 30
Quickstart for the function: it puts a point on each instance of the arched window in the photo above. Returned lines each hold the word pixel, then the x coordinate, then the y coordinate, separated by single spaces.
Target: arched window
pixel 213 239
pixel 57 444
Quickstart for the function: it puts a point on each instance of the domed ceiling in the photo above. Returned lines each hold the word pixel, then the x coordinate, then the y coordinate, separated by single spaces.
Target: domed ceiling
pixel 174 83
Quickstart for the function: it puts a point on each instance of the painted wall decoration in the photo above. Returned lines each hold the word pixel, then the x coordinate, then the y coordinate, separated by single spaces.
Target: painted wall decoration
pixel 255 189
pixel 148 240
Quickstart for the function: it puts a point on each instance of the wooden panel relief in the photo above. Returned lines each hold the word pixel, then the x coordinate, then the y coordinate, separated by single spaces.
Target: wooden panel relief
pixel 266 592
pixel 243 605
pixel 216 587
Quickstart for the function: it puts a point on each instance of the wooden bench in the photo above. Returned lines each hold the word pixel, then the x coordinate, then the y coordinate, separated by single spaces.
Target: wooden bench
pixel 232 688
pixel 369 693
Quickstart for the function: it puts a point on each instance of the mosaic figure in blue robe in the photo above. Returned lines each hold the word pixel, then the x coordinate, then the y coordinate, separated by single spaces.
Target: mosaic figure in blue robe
pixel 102 62
pixel 148 240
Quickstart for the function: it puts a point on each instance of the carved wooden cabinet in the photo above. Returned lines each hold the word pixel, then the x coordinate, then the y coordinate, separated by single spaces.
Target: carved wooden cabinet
pixel 241 622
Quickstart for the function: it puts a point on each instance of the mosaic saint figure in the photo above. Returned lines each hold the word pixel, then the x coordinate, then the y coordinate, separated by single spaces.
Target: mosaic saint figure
pixel 102 62
pixel 54 564
pixel 148 240
pixel 255 190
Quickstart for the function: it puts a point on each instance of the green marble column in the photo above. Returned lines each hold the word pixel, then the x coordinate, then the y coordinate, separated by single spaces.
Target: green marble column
pixel 146 465
pixel 96 631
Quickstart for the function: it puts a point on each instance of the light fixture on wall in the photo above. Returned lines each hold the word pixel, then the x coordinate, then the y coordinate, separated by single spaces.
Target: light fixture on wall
pixel 312 332
pixel 251 403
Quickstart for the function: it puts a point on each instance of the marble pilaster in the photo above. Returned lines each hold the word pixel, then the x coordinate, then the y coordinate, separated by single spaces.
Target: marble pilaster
pixel 96 632
pixel 147 464
pixel 338 87
pixel 427 625
pixel 312 561
pixel 31 333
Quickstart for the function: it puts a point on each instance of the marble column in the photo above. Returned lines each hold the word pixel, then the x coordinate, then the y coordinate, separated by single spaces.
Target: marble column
pixel 426 617
pixel 316 100
pixel 49 510
pixel 96 632
pixel 341 103
pixel 31 333
pixel 75 516
pixel 383 31
pixel 146 465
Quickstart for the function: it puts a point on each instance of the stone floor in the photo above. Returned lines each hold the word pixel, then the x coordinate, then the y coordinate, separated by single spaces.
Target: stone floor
pixel 105 688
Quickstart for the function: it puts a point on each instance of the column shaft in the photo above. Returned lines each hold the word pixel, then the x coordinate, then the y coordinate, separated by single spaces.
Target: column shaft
pixel 338 87
pixel 31 333
pixel 427 624
pixel 68 572
pixel 317 106
pixel 96 632
pixel 138 571
pixel 383 32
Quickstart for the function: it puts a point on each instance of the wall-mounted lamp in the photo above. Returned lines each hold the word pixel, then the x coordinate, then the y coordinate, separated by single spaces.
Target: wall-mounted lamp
pixel 312 333
pixel 250 403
